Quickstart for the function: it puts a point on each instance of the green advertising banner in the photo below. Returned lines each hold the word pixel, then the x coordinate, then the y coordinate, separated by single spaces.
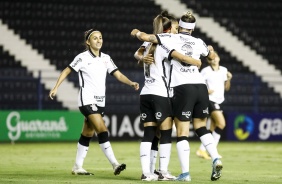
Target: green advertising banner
pixel 40 125
pixel 31 126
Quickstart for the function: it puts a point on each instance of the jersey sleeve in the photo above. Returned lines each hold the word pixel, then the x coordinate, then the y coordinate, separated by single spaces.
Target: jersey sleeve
pixel 111 67
pixel 163 38
pixel 203 48
pixel 145 44
pixel 76 64
pixel 165 51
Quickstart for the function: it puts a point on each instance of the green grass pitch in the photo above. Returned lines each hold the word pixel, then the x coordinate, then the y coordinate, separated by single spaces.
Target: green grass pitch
pixel 250 163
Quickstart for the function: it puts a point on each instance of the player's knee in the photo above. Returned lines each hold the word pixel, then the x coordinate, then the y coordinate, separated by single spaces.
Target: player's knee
pixel 149 133
pixel 155 143
pixel 201 131
pixel 165 136
pixel 218 130
pixel 103 137
pixel 182 138
pixel 84 140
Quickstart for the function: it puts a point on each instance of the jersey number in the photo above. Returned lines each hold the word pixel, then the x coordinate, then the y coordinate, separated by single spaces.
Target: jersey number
pixel 147 70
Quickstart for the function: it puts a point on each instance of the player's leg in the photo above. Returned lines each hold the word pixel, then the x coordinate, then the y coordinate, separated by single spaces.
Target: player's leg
pixel 208 141
pixel 219 122
pixel 202 152
pixel 165 150
pixel 105 145
pixel 148 120
pixel 199 121
pixel 182 105
pixel 82 148
pixel 183 148
pixel 154 153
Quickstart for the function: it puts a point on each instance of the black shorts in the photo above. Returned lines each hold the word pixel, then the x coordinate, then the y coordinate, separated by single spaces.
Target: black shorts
pixel 213 106
pixel 190 101
pixel 86 110
pixel 154 108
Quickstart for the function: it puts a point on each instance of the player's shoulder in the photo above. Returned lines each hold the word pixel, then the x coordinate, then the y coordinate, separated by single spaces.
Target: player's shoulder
pixel 104 55
pixel 81 54
pixel 198 40
pixel 223 68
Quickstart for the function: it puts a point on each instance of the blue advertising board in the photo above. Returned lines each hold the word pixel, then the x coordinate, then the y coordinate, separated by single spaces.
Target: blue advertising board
pixel 254 127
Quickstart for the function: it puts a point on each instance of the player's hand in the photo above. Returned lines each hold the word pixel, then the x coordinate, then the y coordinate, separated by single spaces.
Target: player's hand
pixel 53 93
pixel 148 59
pixel 134 32
pixel 210 91
pixel 210 48
pixel 135 85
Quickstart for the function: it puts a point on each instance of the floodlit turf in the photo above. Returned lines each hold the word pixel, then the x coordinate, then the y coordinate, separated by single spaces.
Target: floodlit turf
pixel 249 163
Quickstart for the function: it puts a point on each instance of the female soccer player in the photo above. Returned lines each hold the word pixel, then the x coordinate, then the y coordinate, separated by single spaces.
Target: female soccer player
pixel 155 108
pixel 92 66
pixel 190 100
pixel 218 80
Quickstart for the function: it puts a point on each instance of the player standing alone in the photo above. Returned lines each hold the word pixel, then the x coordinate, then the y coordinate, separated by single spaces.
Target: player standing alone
pixel 92 66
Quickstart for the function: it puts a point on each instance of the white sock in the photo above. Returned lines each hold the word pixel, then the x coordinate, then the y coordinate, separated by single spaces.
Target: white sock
pixel 165 150
pixel 153 160
pixel 145 152
pixel 109 153
pixel 80 155
pixel 216 137
pixel 183 150
pixel 208 142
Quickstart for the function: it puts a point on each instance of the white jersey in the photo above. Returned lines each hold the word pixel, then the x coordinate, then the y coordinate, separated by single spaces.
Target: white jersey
pixel 156 74
pixel 183 73
pixel 215 80
pixel 92 72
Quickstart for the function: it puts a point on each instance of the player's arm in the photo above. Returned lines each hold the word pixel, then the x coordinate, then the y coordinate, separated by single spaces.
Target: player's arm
pixel 210 91
pixel 61 78
pixel 186 59
pixel 122 78
pixel 144 36
pixel 139 55
pixel 227 83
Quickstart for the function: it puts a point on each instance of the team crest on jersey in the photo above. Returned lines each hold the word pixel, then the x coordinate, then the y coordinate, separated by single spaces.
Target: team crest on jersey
pixel 76 62
pixel 143 116
pixel 158 115
pixel 186 114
